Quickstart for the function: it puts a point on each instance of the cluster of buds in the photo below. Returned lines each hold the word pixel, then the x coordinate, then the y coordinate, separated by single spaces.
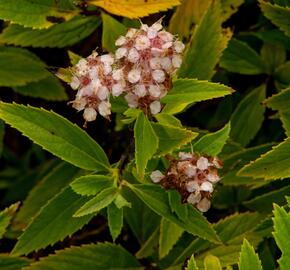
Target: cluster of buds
pixel 141 69
pixel 193 176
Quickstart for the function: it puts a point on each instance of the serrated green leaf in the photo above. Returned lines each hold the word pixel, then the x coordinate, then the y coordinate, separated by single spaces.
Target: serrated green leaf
pixel 167 119
pixel 5 218
pixel 187 91
pixel 273 56
pixel 51 184
pixel 54 219
pixel 278 15
pixel 249 260
pixel 172 138
pixel 280 101
pixel 281 76
pixel 146 143
pixel 100 201
pixel 272 165
pixel 212 263
pixel 264 202
pixel 121 202
pixel 48 88
pixel 56 134
pixel 191 264
pixel 19 67
pixel 156 199
pixel 89 257
pixel 238 57
pixel 212 144
pixel 148 248
pixel 112 29
pixel 115 220
pixel 36 14
pixel 248 116
pixel 206 45
pixel 169 235
pixel 91 184
pixel 229 7
pixel 180 209
pixel 282 235
pixel 12 263
pixel 59 35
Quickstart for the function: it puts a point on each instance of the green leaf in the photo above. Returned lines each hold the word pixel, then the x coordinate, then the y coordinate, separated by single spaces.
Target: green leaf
pixel 12 263
pixel 167 119
pixel 149 247
pixel 169 235
pixel 91 184
pixel 273 56
pixel 191 264
pixel 51 184
pixel 89 257
pixel 212 144
pixel 102 200
pixel 172 138
pixel 180 209
pixel 36 14
pixel 229 7
pixel 272 165
pixel 249 260
pixel 206 45
pixel 248 116
pixel 238 57
pixel 278 15
pixel 264 202
pixel 280 101
pixel 59 35
pixel 56 134
pixel 212 263
pixel 282 235
pixel 112 29
pixel 54 220
pixel 74 58
pixel 5 218
pixel 156 199
pixel 146 143
pixel 115 220
pixel 19 67
pixel 282 76
pixel 187 91
pixel 2 132
pixel 48 88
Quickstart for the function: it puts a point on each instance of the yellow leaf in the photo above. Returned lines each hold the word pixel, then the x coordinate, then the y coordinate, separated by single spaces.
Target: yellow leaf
pixel 134 8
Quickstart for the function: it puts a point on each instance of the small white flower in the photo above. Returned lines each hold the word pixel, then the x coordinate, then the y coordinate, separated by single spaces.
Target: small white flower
pixel 155 63
pixel 184 155
pixel 121 52
pixel 216 162
pixel 152 32
pixel 213 177
pixel 156 176
pixel 165 36
pixel 142 43
pixel 118 74
pixel 157 26
pixel 107 69
pixel 107 59
pixel 190 170
pixel 192 186
pixel 167 45
pixel 179 46
pixel 206 186
pixel 166 63
pixel 79 104
pixel 132 100
pixel 120 41
pixel 144 27
pixel 134 75
pixel 133 55
pixel 95 83
pixel 86 91
pixel 104 108
pixel 155 107
pixel 158 75
pixel 156 51
pixel 75 83
pixel 117 89
pixel 154 91
pixel 194 198
pixel 202 163
pixel 203 205
pixel 90 114
pixel 103 93
pixel 140 90
pixel 131 32
pixel 176 61
pixel 82 64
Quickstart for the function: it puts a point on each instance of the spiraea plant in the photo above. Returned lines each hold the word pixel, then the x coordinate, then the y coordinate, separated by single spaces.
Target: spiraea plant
pixel 159 134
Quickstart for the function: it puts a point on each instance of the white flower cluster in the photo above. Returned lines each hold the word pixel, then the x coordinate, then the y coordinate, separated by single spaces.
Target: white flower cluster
pixel 193 176
pixel 141 68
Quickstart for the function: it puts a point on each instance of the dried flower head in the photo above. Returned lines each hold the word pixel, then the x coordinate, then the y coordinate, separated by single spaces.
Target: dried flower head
pixel 193 176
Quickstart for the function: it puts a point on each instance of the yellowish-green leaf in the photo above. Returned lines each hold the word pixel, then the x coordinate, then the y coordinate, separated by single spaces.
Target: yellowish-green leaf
pixel 212 263
pixel 115 220
pixel 191 264
pixel 134 8
pixel 5 217
pixel 249 260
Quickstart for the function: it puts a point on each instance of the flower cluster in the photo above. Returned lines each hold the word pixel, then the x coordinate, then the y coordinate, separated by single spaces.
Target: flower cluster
pixel 141 68
pixel 193 176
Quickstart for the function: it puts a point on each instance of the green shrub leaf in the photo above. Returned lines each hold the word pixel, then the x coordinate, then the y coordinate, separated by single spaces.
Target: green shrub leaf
pixel 249 260
pixel 115 220
pixel 12 263
pixel 212 263
pixel 5 218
